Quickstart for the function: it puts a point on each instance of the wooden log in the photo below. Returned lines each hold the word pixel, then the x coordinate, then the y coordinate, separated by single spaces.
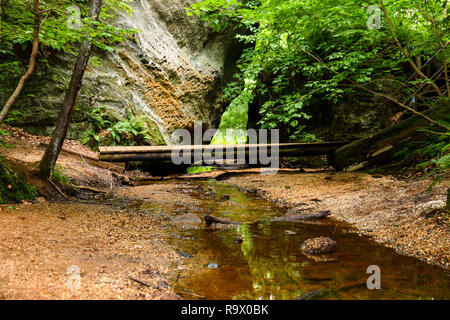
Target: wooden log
pixel 144 283
pixel 321 146
pixel 303 217
pixel 381 147
pixel 326 291
pixel 125 157
pixel 211 152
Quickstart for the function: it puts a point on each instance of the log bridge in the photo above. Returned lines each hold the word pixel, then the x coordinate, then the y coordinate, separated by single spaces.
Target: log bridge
pixel 376 148
pixel 159 154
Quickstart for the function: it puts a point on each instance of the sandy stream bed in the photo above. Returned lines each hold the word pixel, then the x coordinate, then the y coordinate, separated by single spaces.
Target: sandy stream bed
pixel 40 240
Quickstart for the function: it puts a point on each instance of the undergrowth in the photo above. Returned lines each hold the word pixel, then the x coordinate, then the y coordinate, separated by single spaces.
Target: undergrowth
pixel 3 143
pixel 59 177
pixel 12 188
pixel 430 155
pixel 130 131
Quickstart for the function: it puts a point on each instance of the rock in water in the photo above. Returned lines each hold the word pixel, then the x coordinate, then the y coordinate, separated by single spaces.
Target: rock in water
pixel 318 245
pixel 238 240
pixel 187 218
pixel 185 255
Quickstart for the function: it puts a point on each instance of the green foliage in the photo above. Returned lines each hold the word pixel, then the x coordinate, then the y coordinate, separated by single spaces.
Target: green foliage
pixel 431 154
pixel 59 176
pixel 440 158
pixel 56 34
pixel 12 188
pixel 304 53
pixel 3 143
pixel 130 131
pixel 13 116
pixel 200 169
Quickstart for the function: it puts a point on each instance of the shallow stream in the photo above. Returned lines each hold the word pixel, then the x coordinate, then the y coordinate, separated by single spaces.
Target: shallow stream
pixel 268 263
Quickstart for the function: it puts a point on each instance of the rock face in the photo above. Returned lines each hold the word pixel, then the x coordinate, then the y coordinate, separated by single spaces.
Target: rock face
pixel 171 73
pixel 318 245
pixel 354 117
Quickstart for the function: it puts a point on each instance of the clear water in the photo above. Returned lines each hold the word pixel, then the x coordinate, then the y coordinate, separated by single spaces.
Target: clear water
pixel 269 265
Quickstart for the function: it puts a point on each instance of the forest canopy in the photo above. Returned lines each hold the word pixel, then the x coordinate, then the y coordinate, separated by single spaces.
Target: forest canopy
pixel 63 26
pixel 306 53
pixel 301 53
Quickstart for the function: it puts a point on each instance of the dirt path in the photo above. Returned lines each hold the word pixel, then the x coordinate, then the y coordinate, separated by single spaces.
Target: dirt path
pixel 41 241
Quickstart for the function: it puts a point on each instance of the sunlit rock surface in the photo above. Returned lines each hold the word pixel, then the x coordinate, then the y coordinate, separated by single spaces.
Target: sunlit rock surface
pixel 171 73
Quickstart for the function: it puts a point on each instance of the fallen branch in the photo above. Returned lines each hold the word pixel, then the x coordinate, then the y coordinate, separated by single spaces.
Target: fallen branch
pixel 141 282
pixel 57 188
pixel 323 291
pixel 302 217
pixel 90 189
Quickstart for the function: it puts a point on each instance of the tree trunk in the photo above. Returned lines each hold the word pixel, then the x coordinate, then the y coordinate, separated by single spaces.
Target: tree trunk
pixel 51 153
pixel 381 146
pixel 31 66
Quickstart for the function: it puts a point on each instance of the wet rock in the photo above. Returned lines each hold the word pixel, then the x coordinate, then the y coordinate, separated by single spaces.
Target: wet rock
pixel 311 294
pixel 238 240
pixel 185 255
pixel 212 265
pixel 124 179
pixel 251 190
pixel 187 218
pixel 209 220
pixel 318 245
pixel 162 285
pixel 222 226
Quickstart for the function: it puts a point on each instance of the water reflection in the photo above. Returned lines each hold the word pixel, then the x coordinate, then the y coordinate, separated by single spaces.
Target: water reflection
pixel 269 265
